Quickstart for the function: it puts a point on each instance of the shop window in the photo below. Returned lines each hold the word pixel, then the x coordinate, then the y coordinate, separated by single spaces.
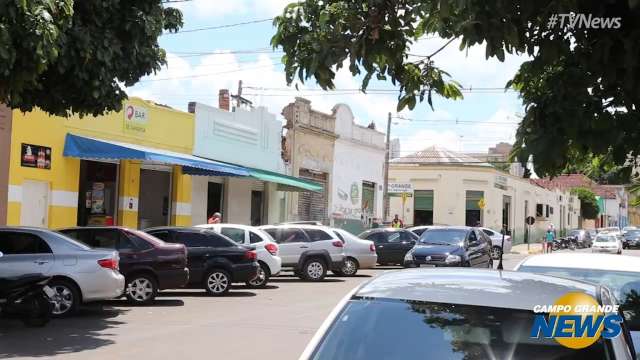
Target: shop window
pixel 539 210
pixel 256 207
pixel 98 195
pixel 473 213
pixel 368 198
pixel 423 207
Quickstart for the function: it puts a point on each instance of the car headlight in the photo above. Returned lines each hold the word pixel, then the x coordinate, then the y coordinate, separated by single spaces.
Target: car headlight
pixel 408 256
pixel 452 259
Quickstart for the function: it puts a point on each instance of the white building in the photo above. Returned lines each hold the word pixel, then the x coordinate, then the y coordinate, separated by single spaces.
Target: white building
pixel 450 188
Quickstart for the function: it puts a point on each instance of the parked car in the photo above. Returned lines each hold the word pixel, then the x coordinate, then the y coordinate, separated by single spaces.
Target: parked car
pixel 359 253
pixel 611 229
pixel 582 237
pixel 627 229
pixel 453 314
pixel 214 260
pixel 266 248
pixel 621 274
pixel 496 243
pixel 304 222
pixel 391 244
pixel 147 263
pixel 79 273
pixel 607 242
pixel 310 250
pixel 451 246
pixel 418 230
pixel 631 239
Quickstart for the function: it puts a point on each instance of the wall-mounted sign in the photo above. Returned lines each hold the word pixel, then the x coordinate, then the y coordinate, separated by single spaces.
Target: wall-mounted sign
pixel 501 182
pixel 135 119
pixel 35 156
pixel 399 188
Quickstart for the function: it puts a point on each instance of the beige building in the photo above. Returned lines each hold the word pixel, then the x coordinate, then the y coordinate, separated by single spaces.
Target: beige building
pixel 450 188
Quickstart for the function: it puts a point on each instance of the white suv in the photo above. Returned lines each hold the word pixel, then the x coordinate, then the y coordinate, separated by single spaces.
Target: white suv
pixel 310 250
pixel 266 249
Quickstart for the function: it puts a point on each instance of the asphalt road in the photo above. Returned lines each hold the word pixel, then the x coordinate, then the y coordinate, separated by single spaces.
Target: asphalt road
pixel 272 323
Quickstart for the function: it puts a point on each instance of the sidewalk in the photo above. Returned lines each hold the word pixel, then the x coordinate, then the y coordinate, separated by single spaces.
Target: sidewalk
pixel 534 248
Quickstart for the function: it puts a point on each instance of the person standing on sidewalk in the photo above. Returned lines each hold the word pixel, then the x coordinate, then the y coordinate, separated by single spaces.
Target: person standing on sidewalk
pixel 549 237
pixel 397 223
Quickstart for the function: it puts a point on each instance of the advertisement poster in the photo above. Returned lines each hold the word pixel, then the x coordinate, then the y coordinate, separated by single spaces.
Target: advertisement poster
pixel 35 156
pixel 135 119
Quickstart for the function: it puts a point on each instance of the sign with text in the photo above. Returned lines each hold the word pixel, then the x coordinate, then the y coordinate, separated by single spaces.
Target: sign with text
pixel 35 156
pixel 135 119
pixel 501 182
pixel 398 189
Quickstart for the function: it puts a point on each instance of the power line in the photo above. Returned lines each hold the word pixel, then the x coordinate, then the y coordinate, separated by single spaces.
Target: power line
pixel 225 26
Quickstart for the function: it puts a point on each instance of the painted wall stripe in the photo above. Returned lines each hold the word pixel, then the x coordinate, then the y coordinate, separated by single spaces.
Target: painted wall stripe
pixel 181 208
pixel 15 193
pixel 64 198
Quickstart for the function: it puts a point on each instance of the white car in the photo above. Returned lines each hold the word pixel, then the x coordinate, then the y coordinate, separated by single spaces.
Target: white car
pixel 266 249
pixel 310 250
pixel 608 243
pixel 621 274
pixel 359 253
pixel 496 243
pixel 79 273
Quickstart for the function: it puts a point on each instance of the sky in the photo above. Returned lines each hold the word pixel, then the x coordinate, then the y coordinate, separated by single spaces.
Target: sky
pixel 202 62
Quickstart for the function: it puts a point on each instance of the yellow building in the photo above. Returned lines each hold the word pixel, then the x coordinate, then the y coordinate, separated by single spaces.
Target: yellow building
pixel 123 168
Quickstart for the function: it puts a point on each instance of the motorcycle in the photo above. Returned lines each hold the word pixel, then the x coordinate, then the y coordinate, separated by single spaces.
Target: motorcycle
pixel 27 298
pixel 564 243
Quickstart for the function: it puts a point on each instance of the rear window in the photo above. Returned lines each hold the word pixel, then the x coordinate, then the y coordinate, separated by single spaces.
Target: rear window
pixel 417 330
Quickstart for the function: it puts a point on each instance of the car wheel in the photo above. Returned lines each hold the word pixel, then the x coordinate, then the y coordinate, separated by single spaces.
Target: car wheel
pixel 66 298
pixel 141 289
pixel 496 251
pixel 314 270
pixel 39 311
pixel 261 279
pixel 349 267
pixel 217 282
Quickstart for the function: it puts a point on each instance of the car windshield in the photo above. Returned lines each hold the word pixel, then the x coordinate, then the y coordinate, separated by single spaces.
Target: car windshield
pixel 633 233
pixel 443 236
pixel 438 331
pixel 605 238
pixel 624 284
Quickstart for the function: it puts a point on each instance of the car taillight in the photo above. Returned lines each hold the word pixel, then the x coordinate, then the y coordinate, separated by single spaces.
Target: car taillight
pixel 272 248
pixel 250 255
pixel 111 263
pixel 372 248
pixel 338 243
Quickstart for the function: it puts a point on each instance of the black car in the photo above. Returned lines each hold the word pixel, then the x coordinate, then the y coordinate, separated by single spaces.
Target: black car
pixel 391 244
pixel 148 264
pixel 631 239
pixel 451 246
pixel 214 260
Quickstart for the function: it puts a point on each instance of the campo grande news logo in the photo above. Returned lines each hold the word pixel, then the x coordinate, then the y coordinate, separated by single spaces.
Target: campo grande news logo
pixel 576 321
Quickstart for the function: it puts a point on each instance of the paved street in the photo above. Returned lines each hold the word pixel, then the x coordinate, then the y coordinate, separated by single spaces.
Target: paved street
pixel 273 323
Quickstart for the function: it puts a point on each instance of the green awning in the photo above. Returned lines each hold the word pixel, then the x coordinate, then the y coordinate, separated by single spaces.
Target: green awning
pixel 285 182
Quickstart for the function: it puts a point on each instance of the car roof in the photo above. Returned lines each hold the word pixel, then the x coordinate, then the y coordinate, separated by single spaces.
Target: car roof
pixel 23 228
pixel 210 226
pixel 178 228
pixel 584 261
pixel 90 227
pixel 476 287
pixel 295 226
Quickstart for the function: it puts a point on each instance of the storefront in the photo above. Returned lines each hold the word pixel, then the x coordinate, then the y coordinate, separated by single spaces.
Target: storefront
pixel 126 168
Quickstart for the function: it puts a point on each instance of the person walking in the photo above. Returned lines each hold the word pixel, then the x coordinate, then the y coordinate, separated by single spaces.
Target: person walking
pixel 397 223
pixel 550 236
pixel 216 218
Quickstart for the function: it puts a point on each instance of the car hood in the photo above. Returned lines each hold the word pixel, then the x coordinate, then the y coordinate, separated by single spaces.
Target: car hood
pixel 429 249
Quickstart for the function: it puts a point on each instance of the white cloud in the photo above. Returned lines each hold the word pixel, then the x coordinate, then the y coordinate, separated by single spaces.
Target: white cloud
pixel 208 9
pixel 423 139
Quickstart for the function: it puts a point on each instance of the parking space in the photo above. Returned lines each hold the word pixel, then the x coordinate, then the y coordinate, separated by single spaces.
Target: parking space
pixel 271 323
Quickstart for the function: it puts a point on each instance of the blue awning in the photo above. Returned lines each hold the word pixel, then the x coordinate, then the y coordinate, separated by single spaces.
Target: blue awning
pixel 89 148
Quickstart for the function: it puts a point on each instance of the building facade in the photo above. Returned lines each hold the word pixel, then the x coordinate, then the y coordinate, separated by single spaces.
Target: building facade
pixel 449 188
pixel 94 170
pixel 346 158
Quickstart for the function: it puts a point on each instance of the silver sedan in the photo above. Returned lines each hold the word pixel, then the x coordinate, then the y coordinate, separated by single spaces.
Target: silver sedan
pixel 79 272
pixel 359 253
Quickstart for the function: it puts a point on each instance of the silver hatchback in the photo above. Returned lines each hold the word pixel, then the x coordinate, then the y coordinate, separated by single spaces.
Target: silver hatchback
pixel 79 272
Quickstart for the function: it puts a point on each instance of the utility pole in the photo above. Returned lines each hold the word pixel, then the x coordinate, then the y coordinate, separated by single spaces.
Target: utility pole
pixel 385 190
pixel 239 99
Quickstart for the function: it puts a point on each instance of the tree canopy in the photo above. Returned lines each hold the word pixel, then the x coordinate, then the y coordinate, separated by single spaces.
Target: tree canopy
pixel 588 203
pixel 580 90
pixel 66 55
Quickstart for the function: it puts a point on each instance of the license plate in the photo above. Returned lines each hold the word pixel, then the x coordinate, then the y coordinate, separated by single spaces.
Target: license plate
pixel 49 291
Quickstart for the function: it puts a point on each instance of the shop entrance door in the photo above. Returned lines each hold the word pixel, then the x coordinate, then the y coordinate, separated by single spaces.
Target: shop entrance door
pixel 98 194
pixel 35 203
pixel 214 199
pixel 256 207
pixel 155 198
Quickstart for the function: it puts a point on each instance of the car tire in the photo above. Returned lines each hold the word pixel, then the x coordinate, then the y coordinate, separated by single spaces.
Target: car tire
pixel 263 276
pixel 217 282
pixel 141 289
pixel 314 269
pixel 496 251
pixel 349 267
pixel 66 299
pixel 40 311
